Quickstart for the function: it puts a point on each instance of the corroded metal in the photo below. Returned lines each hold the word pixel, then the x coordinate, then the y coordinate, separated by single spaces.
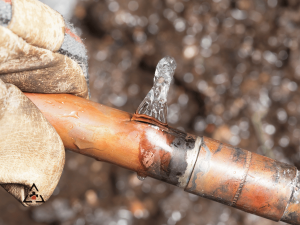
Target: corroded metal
pixel 244 180
pixel 291 214
pixel 168 155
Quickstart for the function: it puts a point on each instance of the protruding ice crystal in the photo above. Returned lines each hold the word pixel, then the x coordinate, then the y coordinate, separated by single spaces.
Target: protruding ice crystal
pixel 155 103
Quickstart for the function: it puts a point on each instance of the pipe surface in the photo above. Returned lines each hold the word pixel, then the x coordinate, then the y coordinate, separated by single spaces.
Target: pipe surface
pixel 202 166
pixel 244 180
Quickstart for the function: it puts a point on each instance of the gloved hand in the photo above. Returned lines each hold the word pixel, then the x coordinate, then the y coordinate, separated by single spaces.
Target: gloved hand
pixel 39 52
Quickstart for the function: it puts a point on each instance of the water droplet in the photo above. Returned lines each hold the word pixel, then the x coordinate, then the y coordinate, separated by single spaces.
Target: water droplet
pixel 59 107
pixel 49 102
pixel 141 178
pixel 62 103
pixel 72 114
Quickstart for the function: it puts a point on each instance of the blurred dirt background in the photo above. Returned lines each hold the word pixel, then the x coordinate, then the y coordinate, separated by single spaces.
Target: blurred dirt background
pixel 236 81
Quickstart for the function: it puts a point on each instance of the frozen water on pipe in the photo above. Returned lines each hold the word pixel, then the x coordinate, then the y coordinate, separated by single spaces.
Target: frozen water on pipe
pixel 155 103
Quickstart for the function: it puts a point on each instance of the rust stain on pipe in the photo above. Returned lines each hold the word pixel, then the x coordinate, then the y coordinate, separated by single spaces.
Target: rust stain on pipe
pixel 203 166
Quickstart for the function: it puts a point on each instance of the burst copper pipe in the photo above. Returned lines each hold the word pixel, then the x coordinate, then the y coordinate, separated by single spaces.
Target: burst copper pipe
pixel 202 166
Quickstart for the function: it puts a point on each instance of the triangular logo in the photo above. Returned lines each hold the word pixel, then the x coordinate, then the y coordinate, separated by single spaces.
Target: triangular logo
pixel 33 195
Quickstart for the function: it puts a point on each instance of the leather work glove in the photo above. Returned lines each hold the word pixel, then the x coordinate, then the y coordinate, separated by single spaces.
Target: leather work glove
pixel 39 52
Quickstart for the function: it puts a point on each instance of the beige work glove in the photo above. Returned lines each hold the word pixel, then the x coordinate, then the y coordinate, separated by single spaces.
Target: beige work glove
pixel 39 52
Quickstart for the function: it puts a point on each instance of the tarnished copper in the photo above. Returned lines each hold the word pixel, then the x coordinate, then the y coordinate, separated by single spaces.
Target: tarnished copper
pixel 168 155
pixel 202 166
pixel 242 179
pixel 291 214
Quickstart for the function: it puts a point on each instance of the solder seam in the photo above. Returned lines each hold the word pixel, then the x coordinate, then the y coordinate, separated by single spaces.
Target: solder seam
pixel 239 190
pixel 292 194
pixel 200 145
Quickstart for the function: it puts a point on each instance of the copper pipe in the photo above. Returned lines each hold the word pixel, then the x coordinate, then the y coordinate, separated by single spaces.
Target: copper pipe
pixel 203 166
